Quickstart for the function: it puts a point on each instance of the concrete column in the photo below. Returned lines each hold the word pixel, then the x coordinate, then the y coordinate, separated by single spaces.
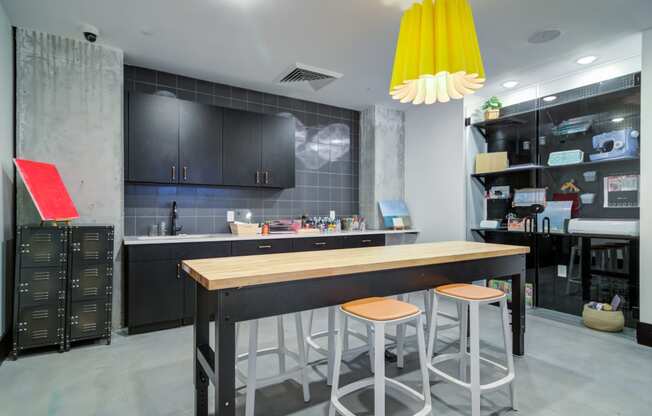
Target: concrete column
pixel 6 166
pixel 382 160
pixel 646 181
pixel 69 112
pixel 435 170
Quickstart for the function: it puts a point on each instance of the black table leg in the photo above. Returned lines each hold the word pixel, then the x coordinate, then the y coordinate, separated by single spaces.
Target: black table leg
pixel 634 278
pixel 224 362
pixel 518 312
pixel 201 337
pixel 585 268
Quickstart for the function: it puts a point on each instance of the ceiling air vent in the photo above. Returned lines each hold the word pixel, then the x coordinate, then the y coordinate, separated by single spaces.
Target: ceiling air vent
pixel 316 77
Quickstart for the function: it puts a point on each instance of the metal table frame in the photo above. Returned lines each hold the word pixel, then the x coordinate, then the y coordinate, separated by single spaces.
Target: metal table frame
pixel 229 306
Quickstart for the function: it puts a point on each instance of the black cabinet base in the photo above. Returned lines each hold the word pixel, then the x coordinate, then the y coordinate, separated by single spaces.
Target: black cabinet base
pixel 644 334
pixel 141 329
pixel 5 346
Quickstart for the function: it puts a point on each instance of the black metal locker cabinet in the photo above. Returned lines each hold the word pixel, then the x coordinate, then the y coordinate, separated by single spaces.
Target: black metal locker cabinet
pixel 90 283
pixel 39 287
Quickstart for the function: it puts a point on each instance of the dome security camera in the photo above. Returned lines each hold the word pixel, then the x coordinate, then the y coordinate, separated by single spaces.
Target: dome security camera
pixel 91 33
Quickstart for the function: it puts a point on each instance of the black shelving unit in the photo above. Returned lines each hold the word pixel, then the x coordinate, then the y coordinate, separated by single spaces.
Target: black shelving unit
pixel 90 284
pixel 528 133
pixel 63 286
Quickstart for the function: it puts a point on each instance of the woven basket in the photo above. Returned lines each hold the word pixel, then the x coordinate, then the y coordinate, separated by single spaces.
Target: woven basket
pixel 244 229
pixel 607 321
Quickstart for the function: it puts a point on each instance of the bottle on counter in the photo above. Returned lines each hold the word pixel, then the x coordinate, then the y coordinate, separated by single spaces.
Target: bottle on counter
pixel 162 228
pixel 265 230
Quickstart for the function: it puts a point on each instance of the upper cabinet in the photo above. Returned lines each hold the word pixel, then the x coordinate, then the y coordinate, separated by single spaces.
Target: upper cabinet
pixel 258 150
pixel 277 152
pixel 182 142
pixel 200 144
pixel 153 138
pixel 242 133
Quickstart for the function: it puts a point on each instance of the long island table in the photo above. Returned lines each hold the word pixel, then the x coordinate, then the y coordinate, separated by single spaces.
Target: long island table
pixel 236 289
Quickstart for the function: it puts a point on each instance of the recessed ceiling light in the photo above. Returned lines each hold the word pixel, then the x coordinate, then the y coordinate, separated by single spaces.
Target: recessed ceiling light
pixel 544 36
pixel 550 98
pixel 586 60
pixel 618 119
pixel 510 84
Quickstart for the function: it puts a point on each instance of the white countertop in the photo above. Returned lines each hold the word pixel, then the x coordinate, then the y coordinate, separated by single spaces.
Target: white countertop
pixel 201 238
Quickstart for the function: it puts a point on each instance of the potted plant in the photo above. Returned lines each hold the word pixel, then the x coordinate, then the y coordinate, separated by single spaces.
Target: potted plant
pixel 492 108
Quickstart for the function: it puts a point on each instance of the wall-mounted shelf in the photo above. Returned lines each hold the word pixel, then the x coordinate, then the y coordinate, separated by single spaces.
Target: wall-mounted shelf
pixel 481 177
pixel 593 163
pixel 526 131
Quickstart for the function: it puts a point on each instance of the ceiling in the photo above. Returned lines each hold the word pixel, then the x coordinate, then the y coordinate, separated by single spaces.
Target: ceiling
pixel 248 43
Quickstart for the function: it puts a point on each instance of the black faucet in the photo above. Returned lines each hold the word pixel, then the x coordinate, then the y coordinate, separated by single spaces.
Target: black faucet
pixel 175 215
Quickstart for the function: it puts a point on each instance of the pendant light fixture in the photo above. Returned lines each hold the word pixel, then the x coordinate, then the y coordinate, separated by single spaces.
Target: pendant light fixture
pixel 437 53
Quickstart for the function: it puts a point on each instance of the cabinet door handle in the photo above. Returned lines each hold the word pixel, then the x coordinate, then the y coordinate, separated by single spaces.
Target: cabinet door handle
pixel 178 270
pixel 320 243
pixel 185 173
pixel 266 177
pixel 366 241
pixel 174 172
pixel 257 177
pixel 265 246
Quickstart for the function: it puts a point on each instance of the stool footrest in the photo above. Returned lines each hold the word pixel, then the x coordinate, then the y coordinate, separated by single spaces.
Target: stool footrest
pixel 262 382
pixel 498 383
pixel 366 382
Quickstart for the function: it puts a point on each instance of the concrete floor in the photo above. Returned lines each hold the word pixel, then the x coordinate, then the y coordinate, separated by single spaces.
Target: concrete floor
pixel 568 370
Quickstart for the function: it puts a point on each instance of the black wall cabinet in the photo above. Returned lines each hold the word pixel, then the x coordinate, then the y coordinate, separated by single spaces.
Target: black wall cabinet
pixel 153 138
pixel 200 144
pixel 277 152
pixel 242 136
pixel 176 141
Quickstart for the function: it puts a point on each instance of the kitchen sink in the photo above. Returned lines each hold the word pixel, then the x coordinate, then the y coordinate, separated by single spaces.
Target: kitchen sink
pixel 173 237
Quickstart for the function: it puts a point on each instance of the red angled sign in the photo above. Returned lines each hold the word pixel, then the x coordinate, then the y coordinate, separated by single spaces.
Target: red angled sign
pixel 47 190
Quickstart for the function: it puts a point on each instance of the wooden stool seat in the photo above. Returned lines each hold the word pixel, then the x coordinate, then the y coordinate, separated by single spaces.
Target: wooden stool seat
pixel 380 309
pixel 469 292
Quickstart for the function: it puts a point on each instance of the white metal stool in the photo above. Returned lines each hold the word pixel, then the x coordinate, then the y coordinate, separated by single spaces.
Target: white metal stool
pixel 471 297
pixel 331 332
pixel 299 371
pixel 401 329
pixel 379 312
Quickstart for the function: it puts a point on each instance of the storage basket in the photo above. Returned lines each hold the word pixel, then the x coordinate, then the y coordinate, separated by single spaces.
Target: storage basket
pixel 238 228
pixel 607 321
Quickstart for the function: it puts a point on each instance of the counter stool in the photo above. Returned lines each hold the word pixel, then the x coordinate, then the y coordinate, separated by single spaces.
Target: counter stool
pixel 379 312
pixel 299 371
pixel 401 329
pixel 471 297
pixel 330 333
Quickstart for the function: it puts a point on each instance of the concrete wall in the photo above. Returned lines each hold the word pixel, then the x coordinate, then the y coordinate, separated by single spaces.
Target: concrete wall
pixel 6 165
pixel 646 181
pixel 70 113
pixel 435 170
pixel 382 156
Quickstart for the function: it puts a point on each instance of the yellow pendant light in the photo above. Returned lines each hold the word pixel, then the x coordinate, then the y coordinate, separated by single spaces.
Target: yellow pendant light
pixel 437 53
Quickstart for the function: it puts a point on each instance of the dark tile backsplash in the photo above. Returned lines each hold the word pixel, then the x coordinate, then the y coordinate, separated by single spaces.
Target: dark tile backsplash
pixel 327 157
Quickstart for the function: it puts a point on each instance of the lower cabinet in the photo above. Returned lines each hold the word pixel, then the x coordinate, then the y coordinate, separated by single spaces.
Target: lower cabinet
pixel 154 294
pixel 160 296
